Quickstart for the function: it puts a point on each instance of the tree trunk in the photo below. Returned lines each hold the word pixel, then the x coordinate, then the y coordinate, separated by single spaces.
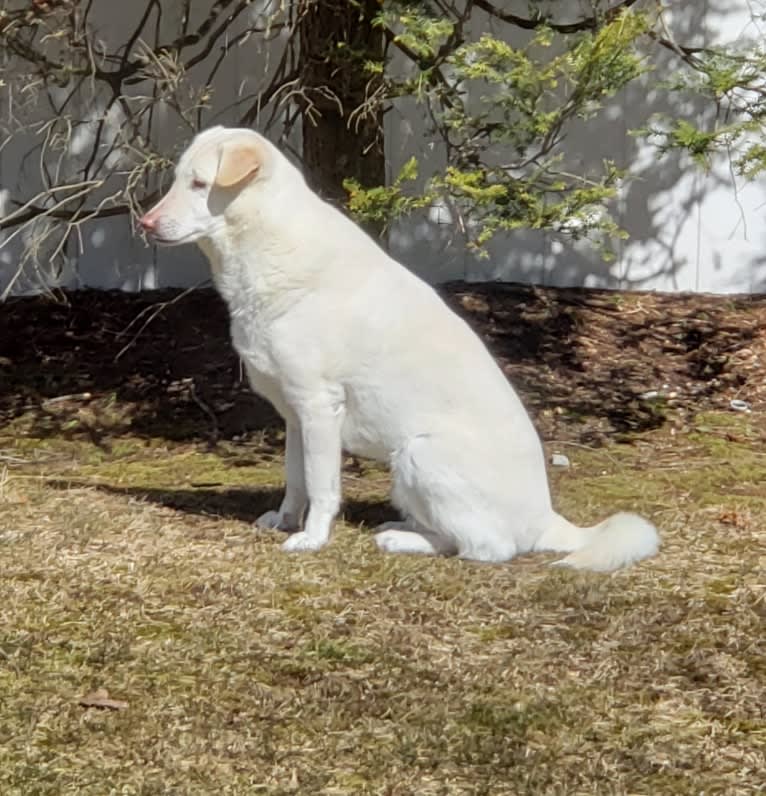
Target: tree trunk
pixel 340 140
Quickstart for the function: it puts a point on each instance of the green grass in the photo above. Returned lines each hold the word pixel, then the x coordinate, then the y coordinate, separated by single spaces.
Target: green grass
pixel 132 565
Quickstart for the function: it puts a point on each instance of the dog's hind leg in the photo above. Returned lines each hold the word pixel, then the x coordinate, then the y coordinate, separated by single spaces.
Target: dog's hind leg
pixel 400 537
pixel 453 511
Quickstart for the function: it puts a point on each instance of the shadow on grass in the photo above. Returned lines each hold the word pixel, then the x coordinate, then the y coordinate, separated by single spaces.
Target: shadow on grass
pixel 234 503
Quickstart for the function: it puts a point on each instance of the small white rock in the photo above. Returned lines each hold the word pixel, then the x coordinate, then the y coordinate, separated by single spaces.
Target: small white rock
pixel 559 460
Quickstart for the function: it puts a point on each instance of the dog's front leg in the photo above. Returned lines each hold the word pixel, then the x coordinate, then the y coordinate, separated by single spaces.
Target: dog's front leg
pixel 320 426
pixel 290 513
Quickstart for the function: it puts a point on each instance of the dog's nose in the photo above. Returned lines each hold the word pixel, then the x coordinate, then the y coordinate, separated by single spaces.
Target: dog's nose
pixel 148 223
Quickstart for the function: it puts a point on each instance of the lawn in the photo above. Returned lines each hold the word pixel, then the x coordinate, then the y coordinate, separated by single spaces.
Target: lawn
pixel 153 642
pixel 245 670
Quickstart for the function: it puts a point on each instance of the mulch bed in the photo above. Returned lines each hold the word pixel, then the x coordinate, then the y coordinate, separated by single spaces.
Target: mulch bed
pixel 589 364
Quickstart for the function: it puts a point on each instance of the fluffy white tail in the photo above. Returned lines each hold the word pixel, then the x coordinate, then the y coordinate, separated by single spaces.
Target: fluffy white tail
pixel 618 541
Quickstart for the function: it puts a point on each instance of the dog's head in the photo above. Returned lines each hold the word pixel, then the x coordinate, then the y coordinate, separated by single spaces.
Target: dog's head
pixel 219 166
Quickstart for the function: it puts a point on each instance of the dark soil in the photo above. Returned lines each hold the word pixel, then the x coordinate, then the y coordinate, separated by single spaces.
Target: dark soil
pixel 589 364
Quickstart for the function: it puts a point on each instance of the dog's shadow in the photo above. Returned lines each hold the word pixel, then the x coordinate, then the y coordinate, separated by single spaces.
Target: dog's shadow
pixel 235 503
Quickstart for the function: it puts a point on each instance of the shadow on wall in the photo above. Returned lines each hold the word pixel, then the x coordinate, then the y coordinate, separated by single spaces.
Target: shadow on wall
pixel 759 268
pixel 685 230
pixel 688 230
pixel 75 133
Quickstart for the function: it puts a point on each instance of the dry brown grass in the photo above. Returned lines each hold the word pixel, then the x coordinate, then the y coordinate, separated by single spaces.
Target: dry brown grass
pixel 349 672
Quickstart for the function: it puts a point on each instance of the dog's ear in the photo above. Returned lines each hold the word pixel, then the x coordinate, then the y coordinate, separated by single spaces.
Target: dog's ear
pixel 239 162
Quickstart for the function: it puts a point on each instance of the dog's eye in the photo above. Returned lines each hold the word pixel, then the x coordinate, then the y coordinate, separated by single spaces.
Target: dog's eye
pixel 198 185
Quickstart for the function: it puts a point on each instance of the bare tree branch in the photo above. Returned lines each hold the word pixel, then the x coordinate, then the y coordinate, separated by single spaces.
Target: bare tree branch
pixel 540 19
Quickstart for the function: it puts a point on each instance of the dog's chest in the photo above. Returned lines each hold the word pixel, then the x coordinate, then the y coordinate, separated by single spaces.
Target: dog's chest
pixel 251 340
pixel 369 429
pixel 363 438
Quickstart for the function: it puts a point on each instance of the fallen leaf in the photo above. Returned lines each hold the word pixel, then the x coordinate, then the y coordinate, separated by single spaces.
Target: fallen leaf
pixel 100 699
pixel 735 518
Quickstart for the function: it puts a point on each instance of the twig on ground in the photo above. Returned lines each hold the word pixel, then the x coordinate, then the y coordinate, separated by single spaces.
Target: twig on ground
pixel 76 396
pixel 215 433
pixel 157 309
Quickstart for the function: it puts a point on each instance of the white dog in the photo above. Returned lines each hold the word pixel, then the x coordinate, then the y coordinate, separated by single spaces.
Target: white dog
pixel 357 353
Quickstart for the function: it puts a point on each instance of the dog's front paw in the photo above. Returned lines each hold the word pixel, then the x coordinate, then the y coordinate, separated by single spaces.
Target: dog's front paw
pixel 302 542
pixel 277 521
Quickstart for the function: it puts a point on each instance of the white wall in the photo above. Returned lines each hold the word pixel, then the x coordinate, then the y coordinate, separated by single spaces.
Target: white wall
pixel 688 230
